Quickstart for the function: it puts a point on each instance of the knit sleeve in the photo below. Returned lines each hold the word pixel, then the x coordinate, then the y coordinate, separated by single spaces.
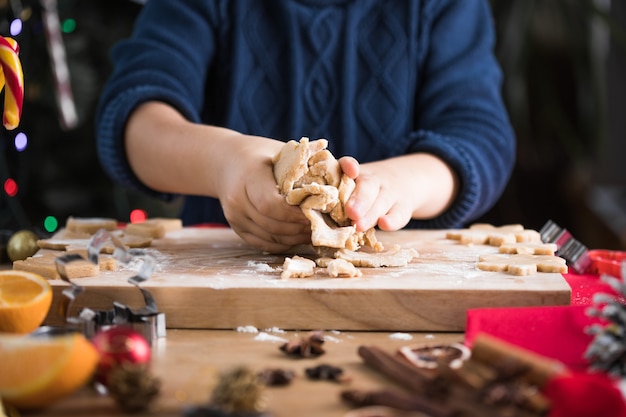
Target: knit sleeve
pixel 460 113
pixel 163 60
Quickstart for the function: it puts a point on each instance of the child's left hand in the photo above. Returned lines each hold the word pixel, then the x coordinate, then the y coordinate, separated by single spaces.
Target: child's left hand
pixel 389 193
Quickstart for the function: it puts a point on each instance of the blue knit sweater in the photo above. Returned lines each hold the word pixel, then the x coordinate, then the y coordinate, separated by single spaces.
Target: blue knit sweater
pixel 376 78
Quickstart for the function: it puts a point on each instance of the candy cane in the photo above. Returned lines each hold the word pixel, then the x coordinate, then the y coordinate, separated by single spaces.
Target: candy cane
pixel 12 77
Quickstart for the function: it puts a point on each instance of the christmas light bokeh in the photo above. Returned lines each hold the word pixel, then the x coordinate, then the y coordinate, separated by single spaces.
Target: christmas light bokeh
pixel 10 187
pixel 51 224
pixel 138 216
pixel 48 165
pixel 21 141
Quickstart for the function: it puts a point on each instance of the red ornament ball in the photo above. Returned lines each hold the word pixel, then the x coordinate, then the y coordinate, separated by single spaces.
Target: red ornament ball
pixel 119 345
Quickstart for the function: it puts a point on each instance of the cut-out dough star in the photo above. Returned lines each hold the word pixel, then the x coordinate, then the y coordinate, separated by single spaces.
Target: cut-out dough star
pixel 487 234
pixel 521 264
pixel 528 248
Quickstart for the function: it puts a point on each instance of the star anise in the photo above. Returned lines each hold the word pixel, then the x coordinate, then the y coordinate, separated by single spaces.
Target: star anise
pixel 276 376
pixel 306 347
pixel 326 372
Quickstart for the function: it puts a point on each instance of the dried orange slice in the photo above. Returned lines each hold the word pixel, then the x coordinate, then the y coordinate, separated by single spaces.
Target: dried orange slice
pixel 36 371
pixel 25 299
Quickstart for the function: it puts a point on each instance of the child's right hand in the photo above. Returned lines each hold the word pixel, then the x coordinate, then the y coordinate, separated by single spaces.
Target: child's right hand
pixel 252 205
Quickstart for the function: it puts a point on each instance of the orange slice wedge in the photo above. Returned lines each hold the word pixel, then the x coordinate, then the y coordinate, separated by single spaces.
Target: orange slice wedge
pixel 25 299
pixel 36 371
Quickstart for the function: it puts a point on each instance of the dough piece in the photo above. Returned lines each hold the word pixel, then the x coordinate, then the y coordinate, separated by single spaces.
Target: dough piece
pixel 529 248
pixel 61 244
pixel 80 245
pixel 394 256
pixel 528 236
pixel 68 234
pixel 522 264
pixel 342 268
pixel 368 238
pixel 322 234
pixel 170 224
pixel 486 234
pixel 314 196
pixel 345 189
pixel 291 163
pixel 308 175
pixel 323 261
pixel 89 225
pixel 297 267
pixel 45 266
pixel 324 169
pixel 154 228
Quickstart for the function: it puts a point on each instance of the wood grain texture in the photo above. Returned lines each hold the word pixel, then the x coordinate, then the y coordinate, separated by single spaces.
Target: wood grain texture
pixel 210 279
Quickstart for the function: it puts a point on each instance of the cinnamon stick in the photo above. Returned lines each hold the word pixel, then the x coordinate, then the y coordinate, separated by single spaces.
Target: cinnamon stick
pixel 396 400
pixel 450 392
pixel 396 368
pixel 491 350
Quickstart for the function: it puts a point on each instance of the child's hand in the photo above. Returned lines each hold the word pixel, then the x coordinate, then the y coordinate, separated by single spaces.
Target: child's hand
pixel 390 192
pixel 251 202
pixel 379 198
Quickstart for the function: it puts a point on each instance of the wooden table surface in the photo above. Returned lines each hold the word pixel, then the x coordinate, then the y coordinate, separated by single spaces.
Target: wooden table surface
pixel 208 278
pixel 188 363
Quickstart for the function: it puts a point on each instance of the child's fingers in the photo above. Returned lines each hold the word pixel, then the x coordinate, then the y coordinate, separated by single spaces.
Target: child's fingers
pixel 349 166
pixel 395 219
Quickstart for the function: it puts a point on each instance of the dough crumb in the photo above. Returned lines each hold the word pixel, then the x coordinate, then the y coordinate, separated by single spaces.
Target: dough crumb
pixel 342 268
pixel 297 267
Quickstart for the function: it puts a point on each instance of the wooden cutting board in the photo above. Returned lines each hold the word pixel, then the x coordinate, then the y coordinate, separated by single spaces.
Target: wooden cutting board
pixel 209 278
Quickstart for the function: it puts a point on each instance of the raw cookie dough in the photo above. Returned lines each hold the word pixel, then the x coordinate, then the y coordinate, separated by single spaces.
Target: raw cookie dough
pixel 521 264
pixel 487 234
pixel 529 248
pixel 394 256
pixel 305 172
pixel 155 227
pixel 44 265
pixel 342 268
pixel 76 245
pixel 309 176
pixel 297 267
pixel 89 225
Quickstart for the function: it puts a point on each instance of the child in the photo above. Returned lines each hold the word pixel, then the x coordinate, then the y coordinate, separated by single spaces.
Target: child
pixel 205 92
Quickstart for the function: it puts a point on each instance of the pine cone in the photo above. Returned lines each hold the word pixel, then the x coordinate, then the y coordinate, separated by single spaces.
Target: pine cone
pixel 240 391
pixel 133 387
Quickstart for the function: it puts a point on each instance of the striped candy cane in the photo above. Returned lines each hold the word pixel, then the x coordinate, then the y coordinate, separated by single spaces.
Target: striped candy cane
pixel 12 78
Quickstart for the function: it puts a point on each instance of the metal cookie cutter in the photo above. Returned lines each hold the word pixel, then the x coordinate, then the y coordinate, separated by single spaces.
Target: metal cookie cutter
pixel 575 253
pixel 148 321
pixel 582 260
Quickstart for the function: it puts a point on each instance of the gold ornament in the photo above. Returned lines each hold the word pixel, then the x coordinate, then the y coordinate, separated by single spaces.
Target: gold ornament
pixel 22 245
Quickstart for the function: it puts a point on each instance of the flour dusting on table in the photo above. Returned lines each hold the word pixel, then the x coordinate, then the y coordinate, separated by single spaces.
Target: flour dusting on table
pixel 400 336
pixel 266 337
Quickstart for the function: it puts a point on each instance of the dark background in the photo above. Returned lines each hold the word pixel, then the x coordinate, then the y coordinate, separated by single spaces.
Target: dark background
pixel 563 61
